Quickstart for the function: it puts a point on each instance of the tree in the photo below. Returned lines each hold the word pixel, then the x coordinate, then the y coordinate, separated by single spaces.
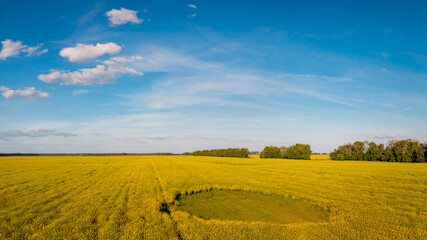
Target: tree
pixel 270 152
pixel 297 151
pixel 425 151
pixel 229 152
pixel 396 151
pixel 344 152
pixel 358 150
pixel 283 150
pixel 374 152
pixel 416 151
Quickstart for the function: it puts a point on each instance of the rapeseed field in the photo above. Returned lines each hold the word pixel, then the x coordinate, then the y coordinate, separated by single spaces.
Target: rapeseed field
pixel 144 197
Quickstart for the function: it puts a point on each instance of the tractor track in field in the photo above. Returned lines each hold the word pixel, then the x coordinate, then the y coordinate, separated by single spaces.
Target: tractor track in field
pixel 162 189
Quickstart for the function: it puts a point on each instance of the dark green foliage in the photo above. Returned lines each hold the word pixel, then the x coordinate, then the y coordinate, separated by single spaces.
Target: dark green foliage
pixel 342 153
pixel 270 152
pixel 297 151
pixel 407 151
pixel 358 150
pixel 396 151
pixel 375 152
pixel 229 152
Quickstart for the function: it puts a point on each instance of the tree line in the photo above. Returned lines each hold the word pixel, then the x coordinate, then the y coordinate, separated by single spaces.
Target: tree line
pixel 297 151
pixel 229 152
pixel 396 151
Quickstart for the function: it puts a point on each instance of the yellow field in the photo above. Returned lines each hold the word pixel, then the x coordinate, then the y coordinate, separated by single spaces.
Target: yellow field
pixel 320 157
pixel 120 197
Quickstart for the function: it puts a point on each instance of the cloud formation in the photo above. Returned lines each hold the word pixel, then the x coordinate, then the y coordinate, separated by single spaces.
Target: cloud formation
pixel 12 134
pixel 104 73
pixel 11 49
pixel 29 92
pixel 192 6
pixel 85 52
pixel 34 51
pixel 123 16
pixel 212 83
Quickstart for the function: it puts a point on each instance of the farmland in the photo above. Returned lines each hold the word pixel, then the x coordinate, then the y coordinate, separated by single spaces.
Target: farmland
pixel 173 197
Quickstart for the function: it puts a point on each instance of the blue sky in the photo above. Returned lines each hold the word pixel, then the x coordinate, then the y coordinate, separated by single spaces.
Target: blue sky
pixel 176 76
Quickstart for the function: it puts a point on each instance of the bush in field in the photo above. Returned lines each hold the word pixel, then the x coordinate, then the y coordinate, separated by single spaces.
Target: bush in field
pixel 396 151
pixel 270 152
pixel 229 152
pixel 297 151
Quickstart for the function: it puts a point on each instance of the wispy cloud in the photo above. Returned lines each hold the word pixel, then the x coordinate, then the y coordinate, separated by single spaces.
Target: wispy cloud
pixel 196 80
pixel 192 6
pixel 10 135
pixel 80 92
pixel 144 139
pixel 158 59
pixel 387 105
pixel 384 137
pixel 35 51
pixel 192 81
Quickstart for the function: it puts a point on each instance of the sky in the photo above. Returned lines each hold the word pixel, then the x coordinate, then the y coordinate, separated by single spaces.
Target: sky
pixel 177 76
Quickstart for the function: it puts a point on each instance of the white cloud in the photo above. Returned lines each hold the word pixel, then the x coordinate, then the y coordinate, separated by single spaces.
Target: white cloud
pixel 11 49
pixel 84 52
pixel 123 16
pixel 192 6
pixel 29 92
pixel 192 15
pixel 101 74
pixel 52 77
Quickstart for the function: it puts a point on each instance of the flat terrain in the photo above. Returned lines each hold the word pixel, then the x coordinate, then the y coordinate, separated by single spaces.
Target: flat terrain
pixel 174 197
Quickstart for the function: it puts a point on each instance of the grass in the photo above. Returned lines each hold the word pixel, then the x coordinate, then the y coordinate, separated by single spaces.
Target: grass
pixel 248 206
pixel 121 197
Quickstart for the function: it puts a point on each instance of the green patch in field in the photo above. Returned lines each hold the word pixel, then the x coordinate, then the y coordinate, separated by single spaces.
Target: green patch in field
pixel 247 206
